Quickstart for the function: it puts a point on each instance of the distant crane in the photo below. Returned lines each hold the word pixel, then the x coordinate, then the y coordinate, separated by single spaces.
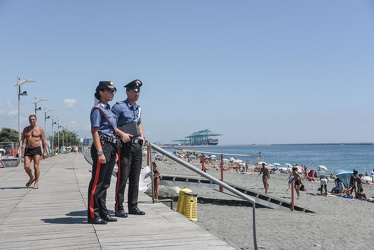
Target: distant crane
pixel 202 137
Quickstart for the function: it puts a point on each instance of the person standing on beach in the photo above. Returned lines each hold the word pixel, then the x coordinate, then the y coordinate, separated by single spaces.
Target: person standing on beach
pixel 128 114
pixel 33 135
pixel 297 179
pixel 352 183
pixel 103 153
pixel 265 177
pixel 323 180
pixel 156 178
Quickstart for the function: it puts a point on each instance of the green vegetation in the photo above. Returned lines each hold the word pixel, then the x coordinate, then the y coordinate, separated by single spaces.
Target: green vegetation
pixel 8 135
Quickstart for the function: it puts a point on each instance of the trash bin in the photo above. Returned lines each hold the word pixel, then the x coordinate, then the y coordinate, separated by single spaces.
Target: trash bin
pixel 190 206
pixel 181 198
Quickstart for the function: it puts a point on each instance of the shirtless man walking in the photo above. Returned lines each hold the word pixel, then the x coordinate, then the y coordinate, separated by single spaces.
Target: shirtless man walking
pixel 33 135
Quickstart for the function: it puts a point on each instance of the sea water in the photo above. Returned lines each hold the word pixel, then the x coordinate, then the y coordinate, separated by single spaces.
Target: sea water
pixel 335 157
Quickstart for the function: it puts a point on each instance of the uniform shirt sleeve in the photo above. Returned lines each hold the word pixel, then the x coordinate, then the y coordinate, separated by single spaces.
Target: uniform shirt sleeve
pixel 95 118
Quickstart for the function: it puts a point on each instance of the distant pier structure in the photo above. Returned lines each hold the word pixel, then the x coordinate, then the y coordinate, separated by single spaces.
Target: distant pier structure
pixel 202 137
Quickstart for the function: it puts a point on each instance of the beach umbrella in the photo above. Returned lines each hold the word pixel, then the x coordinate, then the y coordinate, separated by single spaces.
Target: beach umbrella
pixel 300 168
pixel 225 159
pixel 213 156
pixel 192 156
pixel 260 163
pixel 276 164
pixel 345 177
pixel 322 168
pixel 288 165
pixel 238 161
pixel 232 159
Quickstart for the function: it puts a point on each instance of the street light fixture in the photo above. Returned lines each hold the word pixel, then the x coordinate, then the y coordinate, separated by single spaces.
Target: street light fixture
pixel 19 94
pixel 45 119
pixel 36 100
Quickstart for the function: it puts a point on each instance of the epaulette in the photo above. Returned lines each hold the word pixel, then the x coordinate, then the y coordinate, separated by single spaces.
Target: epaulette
pixel 98 105
pixel 120 102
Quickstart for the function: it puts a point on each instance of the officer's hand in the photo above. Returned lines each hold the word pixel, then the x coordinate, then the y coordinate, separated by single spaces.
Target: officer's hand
pixel 102 159
pixel 126 137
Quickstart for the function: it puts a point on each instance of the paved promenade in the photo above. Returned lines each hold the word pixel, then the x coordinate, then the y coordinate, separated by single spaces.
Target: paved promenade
pixel 54 216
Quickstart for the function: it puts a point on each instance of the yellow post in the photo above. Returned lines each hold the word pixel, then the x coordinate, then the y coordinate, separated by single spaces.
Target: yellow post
pixel 181 198
pixel 190 208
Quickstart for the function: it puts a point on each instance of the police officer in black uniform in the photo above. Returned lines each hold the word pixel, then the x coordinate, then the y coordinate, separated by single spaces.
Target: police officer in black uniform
pixel 128 115
pixel 103 152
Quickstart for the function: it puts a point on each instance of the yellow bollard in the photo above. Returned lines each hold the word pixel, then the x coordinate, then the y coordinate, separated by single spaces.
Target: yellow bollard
pixel 190 208
pixel 181 198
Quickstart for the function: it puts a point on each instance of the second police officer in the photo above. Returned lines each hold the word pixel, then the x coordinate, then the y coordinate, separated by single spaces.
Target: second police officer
pixel 128 114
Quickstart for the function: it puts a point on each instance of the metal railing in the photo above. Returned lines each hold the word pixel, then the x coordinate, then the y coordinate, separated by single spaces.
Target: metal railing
pixel 211 178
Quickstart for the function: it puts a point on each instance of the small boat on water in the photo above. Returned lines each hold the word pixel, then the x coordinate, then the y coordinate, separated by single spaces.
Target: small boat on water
pixel 8 161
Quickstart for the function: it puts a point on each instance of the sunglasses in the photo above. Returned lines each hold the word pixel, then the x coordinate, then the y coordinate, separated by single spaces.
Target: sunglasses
pixel 112 91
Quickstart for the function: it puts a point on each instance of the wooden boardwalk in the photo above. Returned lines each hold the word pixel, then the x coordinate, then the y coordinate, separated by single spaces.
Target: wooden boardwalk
pixel 54 216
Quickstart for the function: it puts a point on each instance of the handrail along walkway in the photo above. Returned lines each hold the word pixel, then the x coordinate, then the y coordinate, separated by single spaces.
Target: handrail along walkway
pixel 214 180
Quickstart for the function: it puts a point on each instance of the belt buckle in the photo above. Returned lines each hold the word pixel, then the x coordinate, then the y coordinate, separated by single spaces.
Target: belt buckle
pixel 136 140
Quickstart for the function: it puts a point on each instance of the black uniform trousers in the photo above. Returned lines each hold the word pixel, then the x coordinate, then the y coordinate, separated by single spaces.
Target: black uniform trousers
pixel 100 180
pixel 129 168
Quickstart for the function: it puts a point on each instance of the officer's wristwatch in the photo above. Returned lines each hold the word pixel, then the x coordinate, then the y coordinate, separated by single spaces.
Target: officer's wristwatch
pixel 100 153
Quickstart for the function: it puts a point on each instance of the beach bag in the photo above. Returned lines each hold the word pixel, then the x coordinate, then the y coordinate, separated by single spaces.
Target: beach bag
pixel 302 188
pixel 291 179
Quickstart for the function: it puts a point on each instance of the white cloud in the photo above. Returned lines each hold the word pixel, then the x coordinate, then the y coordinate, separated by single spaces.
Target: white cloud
pixel 70 103
pixel 9 104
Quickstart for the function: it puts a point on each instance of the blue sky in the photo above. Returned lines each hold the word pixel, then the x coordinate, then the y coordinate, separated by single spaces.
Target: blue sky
pixel 255 71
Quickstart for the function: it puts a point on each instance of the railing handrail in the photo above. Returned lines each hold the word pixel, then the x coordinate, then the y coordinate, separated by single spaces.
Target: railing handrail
pixel 214 180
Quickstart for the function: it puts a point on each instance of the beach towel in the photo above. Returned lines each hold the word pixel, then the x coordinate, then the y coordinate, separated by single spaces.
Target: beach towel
pixel 347 196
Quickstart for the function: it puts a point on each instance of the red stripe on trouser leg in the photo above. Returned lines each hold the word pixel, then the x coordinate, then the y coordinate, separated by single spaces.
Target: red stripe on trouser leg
pixel 119 172
pixel 94 185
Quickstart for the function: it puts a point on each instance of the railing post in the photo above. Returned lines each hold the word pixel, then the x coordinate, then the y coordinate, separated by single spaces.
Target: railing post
pixel 220 187
pixel 292 196
pixel 202 163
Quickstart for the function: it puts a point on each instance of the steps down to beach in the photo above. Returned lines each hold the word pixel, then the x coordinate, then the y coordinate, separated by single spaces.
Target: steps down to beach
pixel 262 200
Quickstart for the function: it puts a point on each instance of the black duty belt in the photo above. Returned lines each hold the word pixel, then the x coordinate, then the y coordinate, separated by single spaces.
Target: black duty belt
pixel 105 138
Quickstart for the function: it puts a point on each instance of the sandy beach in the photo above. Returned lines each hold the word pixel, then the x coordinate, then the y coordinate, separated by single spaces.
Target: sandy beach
pixel 336 224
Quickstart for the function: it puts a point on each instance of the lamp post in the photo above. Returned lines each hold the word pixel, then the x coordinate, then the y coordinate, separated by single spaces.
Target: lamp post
pixel 63 138
pixel 36 100
pixel 19 93
pixel 58 137
pixel 53 136
pixel 45 121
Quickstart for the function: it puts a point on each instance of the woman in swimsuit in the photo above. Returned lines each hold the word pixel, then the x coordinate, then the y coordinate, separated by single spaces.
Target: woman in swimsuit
pixel 265 177
pixel 156 178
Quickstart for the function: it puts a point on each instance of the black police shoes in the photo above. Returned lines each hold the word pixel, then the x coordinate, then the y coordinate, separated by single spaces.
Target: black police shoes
pixel 136 211
pixel 108 218
pixel 96 221
pixel 121 213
